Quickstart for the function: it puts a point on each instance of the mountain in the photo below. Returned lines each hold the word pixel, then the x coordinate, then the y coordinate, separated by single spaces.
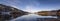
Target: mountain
pixel 58 12
pixel 48 13
pixel 6 12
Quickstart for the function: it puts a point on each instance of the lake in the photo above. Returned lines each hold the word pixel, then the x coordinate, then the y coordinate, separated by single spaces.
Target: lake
pixel 33 17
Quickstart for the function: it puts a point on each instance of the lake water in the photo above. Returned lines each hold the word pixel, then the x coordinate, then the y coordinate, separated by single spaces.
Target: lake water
pixel 31 17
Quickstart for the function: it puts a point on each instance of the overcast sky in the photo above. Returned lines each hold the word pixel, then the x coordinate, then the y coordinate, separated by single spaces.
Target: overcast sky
pixel 33 5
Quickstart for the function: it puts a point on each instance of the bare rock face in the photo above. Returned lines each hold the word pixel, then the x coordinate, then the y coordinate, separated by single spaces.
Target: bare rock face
pixel 6 12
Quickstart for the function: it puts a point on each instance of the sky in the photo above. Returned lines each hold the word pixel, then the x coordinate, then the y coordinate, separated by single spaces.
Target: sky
pixel 33 5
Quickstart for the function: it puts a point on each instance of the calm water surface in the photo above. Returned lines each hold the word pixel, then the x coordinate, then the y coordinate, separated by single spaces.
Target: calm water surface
pixel 32 17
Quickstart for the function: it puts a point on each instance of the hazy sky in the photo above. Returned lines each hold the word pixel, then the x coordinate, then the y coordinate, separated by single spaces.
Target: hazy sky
pixel 33 5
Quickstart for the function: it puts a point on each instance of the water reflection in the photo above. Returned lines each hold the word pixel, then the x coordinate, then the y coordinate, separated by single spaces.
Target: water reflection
pixel 31 17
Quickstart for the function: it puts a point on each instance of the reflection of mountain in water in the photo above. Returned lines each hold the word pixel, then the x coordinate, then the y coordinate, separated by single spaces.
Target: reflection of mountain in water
pixel 31 17
pixel 8 12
